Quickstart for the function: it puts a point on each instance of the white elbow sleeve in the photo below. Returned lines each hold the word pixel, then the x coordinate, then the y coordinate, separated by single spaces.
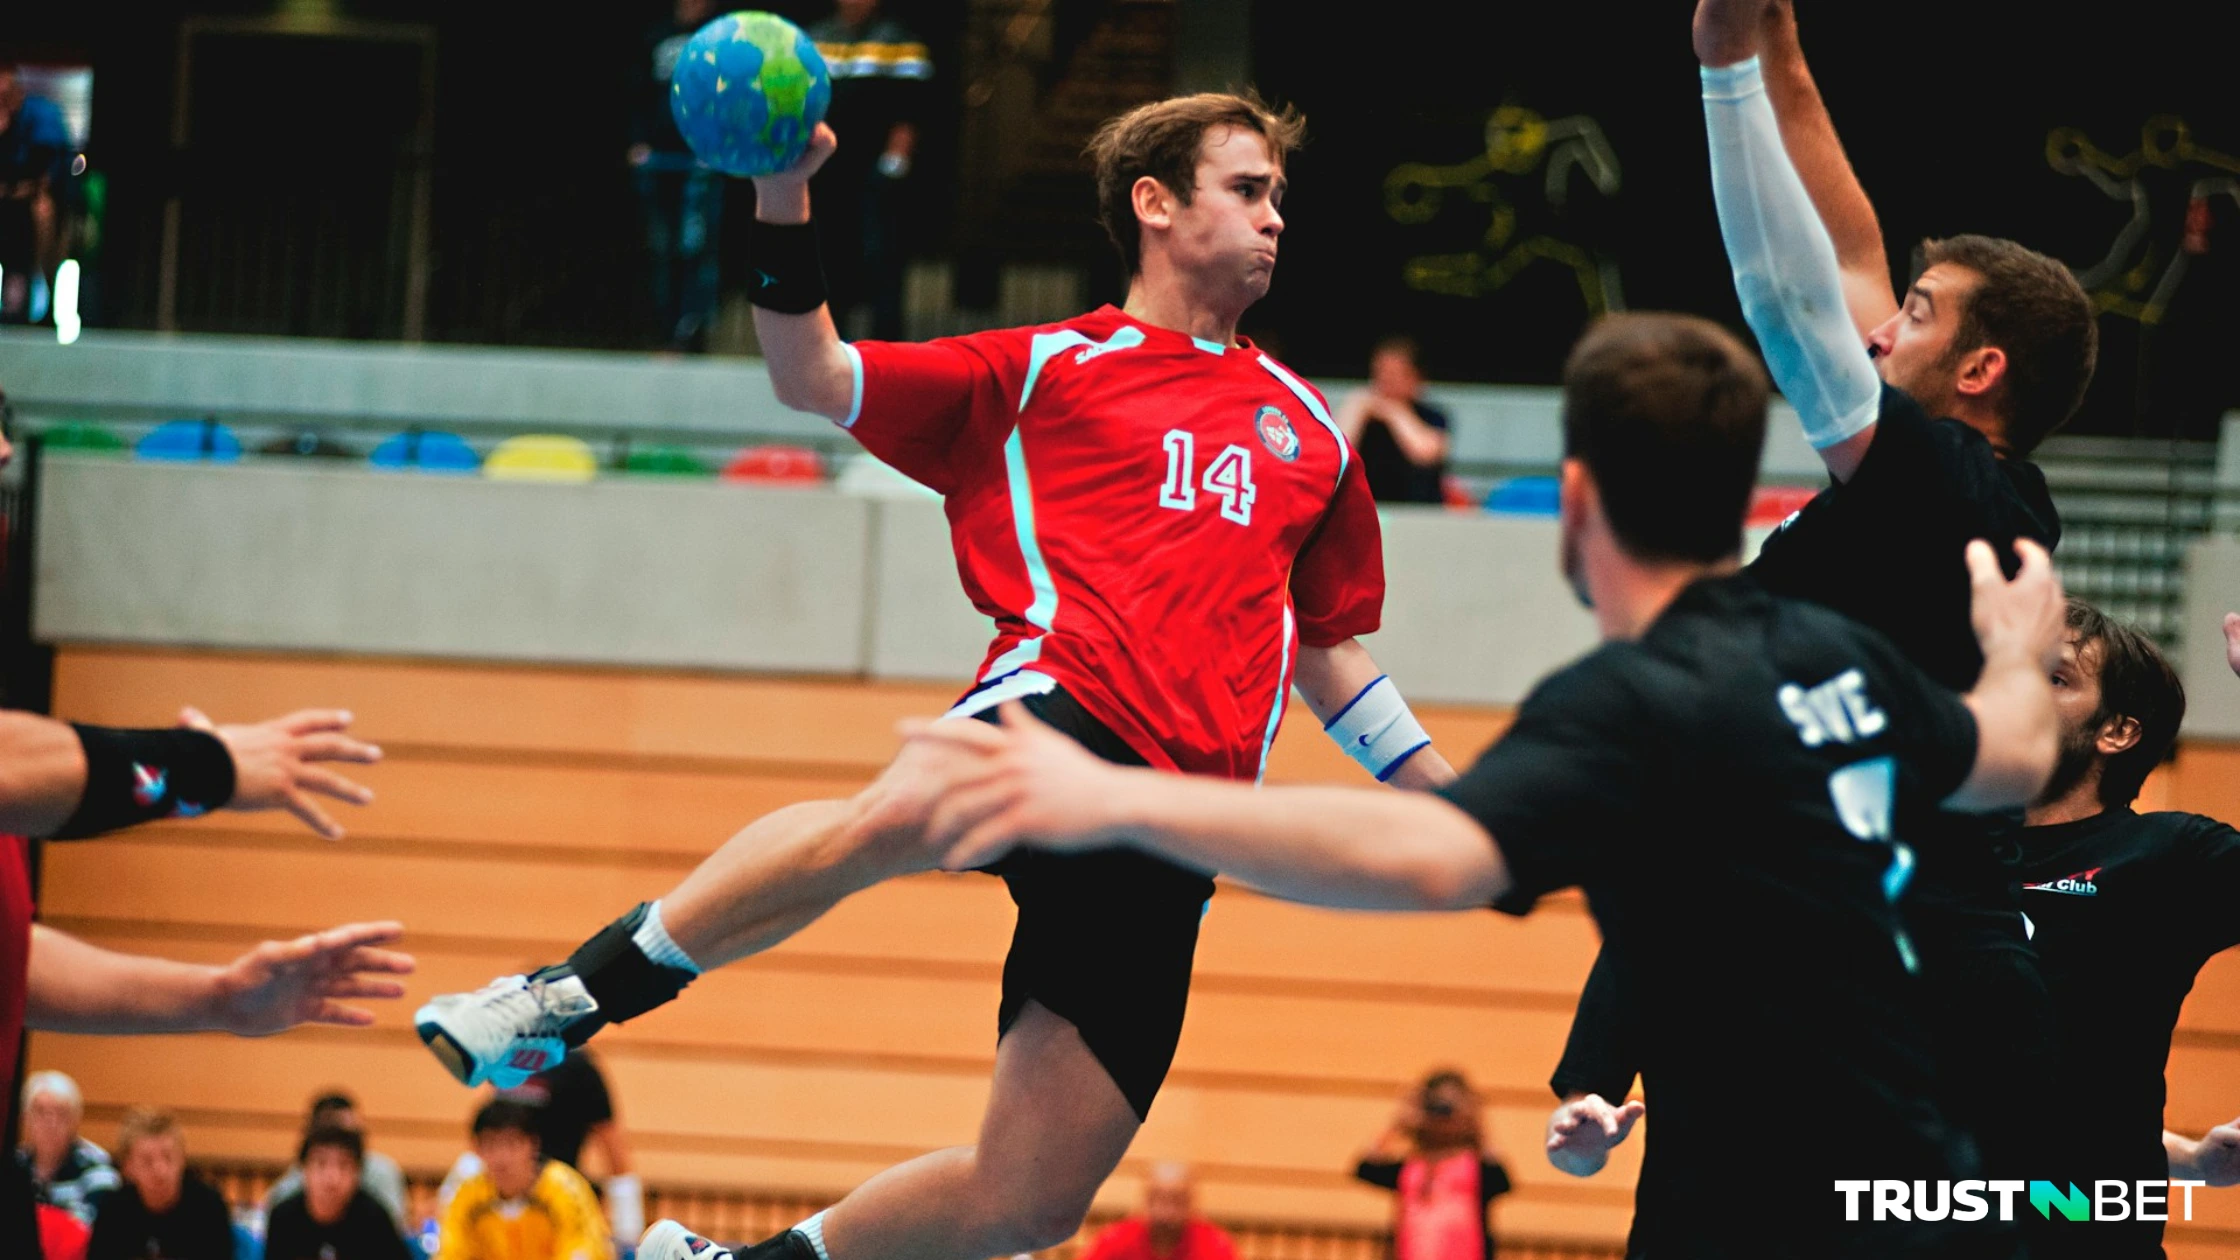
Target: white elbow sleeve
pixel 1785 268
pixel 1377 730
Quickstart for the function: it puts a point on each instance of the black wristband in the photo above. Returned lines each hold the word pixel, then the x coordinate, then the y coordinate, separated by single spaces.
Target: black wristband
pixel 134 776
pixel 784 272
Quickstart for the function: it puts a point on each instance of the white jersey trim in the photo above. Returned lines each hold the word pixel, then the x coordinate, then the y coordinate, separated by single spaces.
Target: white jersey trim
pixel 1025 682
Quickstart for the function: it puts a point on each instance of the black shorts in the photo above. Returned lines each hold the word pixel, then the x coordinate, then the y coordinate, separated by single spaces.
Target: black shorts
pixel 1104 940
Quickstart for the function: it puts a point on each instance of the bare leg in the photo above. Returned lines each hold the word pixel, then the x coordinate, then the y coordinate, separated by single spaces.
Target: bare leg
pixel 1055 1128
pixel 766 883
pixel 790 866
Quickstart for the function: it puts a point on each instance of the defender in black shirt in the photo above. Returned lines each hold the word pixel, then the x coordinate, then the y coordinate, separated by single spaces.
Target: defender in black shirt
pixel 1733 777
pixel 2125 909
pixel 1998 343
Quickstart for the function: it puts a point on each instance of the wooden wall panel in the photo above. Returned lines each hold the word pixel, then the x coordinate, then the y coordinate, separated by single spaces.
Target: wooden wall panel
pixel 520 808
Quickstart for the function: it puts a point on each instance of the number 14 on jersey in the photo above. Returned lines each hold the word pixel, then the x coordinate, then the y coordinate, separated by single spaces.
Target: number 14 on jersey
pixel 1229 476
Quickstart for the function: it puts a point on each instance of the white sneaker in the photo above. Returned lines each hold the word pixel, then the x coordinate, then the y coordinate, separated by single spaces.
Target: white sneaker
pixel 506 1031
pixel 668 1240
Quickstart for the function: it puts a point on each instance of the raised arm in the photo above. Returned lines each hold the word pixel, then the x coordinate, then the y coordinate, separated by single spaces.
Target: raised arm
pixel 1809 135
pixel 2019 625
pixel 810 368
pixel 1343 847
pixel 1335 681
pixel 1786 269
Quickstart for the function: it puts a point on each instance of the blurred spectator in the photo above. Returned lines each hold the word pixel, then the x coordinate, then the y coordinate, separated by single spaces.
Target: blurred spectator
pixel 1435 1156
pixel 161 1209
pixel 576 1112
pixel 66 1170
pixel 680 202
pixel 33 139
pixel 880 77
pixel 1402 439
pixel 331 1217
pixel 1169 1229
pixel 521 1206
pixel 379 1175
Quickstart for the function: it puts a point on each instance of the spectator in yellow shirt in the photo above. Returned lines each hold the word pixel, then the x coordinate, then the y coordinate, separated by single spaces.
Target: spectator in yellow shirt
pixel 521 1206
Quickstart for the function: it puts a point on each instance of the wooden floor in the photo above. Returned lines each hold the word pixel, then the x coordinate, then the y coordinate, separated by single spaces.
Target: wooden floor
pixel 521 808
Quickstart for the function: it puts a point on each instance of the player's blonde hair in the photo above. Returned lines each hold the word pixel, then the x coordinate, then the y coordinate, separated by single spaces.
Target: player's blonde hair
pixel 1163 140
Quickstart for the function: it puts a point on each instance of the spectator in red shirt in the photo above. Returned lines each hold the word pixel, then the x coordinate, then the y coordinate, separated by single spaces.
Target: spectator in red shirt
pixel 1169 1229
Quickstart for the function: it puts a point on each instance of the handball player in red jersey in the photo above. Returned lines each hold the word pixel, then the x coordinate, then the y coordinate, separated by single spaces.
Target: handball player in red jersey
pixel 1170 533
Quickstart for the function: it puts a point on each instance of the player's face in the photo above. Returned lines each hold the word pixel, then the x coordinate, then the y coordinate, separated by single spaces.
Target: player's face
pixel 2078 716
pixel 1913 348
pixel 1226 235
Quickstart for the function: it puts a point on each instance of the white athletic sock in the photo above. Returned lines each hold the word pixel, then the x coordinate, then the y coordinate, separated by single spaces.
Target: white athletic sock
pixel 653 938
pixel 813 1230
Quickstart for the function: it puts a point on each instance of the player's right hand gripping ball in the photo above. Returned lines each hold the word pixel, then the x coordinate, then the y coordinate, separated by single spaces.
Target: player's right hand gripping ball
pixel 748 91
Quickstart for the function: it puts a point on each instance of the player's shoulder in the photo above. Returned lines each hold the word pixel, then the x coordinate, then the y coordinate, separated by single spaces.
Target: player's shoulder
pixel 1608 687
pixel 1022 341
pixel 2187 833
pixel 1287 374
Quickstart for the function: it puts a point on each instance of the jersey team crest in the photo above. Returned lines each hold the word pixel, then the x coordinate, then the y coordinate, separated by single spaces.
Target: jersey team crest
pixel 1276 433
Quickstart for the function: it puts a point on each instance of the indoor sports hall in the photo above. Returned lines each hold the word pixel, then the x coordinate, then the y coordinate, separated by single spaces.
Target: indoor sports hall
pixel 453 372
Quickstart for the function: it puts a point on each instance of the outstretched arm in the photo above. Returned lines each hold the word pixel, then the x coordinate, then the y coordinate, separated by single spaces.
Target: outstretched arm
pixel 42 774
pixel 1786 269
pixel 1342 847
pixel 1331 678
pixel 59 779
pixel 81 988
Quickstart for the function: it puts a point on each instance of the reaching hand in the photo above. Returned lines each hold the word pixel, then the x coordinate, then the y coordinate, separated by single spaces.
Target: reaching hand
pixel 281 984
pixel 1583 1132
pixel 1030 785
pixel 822 143
pixel 1726 31
pixel 273 763
pixel 2217 1159
pixel 2232 641
pixel 2020 619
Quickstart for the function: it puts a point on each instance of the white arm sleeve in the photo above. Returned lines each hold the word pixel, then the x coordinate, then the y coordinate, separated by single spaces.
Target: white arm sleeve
pixel 1785 268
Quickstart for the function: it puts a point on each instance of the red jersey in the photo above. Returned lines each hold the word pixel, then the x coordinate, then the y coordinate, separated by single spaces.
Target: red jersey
pixel 1153 521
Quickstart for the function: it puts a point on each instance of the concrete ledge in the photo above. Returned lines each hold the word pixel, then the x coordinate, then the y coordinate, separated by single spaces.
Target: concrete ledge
pixel 296 556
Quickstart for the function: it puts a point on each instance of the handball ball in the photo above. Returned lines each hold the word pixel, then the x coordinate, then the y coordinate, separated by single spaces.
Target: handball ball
pixel 747 93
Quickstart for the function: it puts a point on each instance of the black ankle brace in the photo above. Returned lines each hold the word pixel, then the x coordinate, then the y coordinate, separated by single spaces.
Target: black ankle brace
pixel 620 977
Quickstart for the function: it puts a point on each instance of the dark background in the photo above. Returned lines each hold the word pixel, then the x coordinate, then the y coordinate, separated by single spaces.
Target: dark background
pixel 1945 109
